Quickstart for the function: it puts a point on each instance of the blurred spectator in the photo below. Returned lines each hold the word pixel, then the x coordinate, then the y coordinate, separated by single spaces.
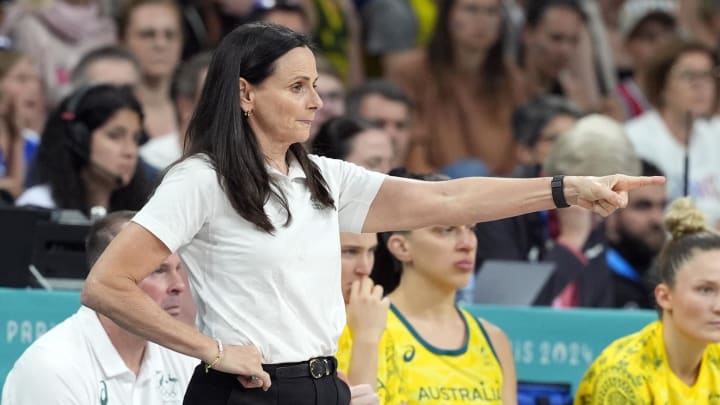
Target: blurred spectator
pixel 356 142
pixel 337 33
pixel 595 146
pixel 23 106
pixel 4 6
pixel 536 126
pixel 646 26
pixel 700 21
pixel 151 31
pixel 56 34
pixel 385 105
pixel 12 159
pixel 464 92
pixel 332 92
pixel 111 65
pixel 394 29
pixel 635 236
pixel 551 37
pixel 206 22
pixel 289 13
pixel 186 89
pixel 681 83
pixel 88 155
pixel 20 81
pixel 230 13
pixel 610 13
pixel 89 359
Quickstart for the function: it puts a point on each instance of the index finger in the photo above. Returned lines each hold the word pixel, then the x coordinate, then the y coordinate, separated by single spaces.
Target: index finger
pixel 626 183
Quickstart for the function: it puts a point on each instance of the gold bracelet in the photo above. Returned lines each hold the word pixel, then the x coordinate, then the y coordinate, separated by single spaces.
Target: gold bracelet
pixel 217 358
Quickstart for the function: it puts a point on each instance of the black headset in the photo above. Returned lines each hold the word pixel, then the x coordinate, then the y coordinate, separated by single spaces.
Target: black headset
pixel 78 135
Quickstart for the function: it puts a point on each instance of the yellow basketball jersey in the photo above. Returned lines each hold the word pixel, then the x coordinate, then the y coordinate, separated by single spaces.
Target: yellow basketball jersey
pixel 634 370
pixel 412 371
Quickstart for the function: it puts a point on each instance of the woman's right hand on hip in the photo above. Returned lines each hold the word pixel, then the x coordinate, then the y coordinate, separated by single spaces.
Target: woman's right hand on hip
pixel 244 361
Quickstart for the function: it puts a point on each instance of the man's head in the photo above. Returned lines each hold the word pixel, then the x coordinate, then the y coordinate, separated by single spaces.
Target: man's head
pixel 640 225
pixel 551 34
pixel 386 106
pixel 595 146
pixel 152 31
pixel 167 285
pixel 111 65
pixel 355 141
pixel 537 124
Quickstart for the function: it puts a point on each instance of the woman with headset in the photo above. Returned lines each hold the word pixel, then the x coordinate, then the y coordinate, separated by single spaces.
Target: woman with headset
pixel 88 156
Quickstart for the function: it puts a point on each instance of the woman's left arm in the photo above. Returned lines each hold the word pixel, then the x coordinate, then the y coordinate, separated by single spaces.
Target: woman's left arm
pixel 404 204
pixel 503 349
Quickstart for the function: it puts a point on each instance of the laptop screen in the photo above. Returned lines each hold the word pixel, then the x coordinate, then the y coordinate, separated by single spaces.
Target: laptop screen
pixel 509 282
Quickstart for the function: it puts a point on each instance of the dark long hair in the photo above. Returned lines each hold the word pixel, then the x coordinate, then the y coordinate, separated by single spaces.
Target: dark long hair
pixel 494 71
pixel 64 150
pixel 219 130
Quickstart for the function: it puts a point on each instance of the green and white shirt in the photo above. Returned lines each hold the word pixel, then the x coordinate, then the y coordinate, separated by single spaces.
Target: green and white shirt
pixel 75 363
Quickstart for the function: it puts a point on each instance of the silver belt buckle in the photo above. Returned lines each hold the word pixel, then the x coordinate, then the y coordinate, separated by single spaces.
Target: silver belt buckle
pixel 319 368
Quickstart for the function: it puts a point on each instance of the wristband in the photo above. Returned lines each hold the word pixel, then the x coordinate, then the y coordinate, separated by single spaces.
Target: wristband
pixel 558 191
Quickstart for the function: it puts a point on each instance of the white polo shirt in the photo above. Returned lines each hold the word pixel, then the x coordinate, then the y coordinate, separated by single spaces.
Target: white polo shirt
pixel 280 292
pixel 75 363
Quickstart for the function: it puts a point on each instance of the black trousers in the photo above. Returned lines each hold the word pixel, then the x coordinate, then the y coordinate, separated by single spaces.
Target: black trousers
pixel 313 382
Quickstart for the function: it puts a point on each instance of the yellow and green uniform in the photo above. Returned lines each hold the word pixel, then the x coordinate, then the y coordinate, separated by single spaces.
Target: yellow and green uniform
pixel 635 370
pixel 412 371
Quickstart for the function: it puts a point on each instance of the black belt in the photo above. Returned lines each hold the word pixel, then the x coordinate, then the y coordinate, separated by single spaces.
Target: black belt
pixel 318 367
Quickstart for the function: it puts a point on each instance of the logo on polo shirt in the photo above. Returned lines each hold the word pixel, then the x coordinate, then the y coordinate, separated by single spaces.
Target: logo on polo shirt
pixel 169 387
pixel 103 393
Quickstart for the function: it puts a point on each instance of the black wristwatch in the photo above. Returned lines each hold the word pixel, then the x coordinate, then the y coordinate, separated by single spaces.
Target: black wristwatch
pixel 558 191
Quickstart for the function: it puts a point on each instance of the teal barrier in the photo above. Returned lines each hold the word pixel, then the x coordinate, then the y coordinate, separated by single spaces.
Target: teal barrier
pixel 549 345
pixel 25 315
pixel 553 345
